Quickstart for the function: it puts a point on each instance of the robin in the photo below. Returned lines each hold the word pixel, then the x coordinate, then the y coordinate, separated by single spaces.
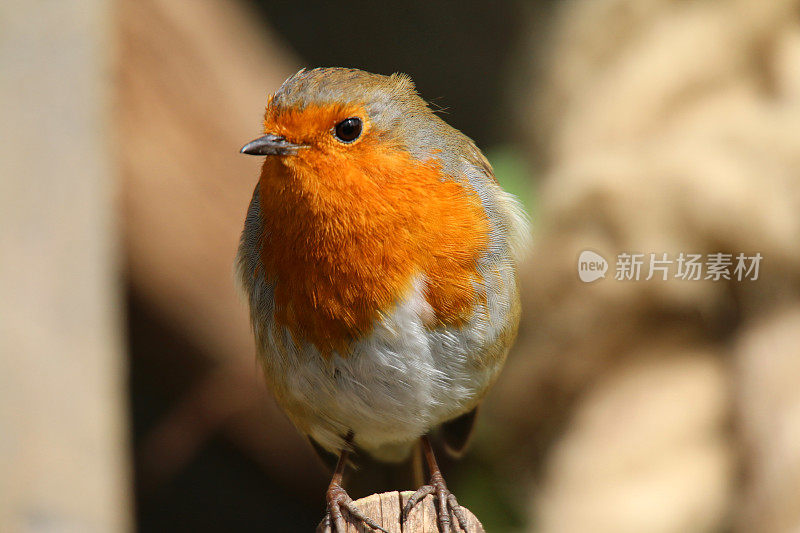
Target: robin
pixel 379 258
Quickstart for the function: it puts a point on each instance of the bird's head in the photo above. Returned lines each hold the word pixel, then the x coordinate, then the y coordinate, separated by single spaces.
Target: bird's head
pixel 332 133
pixel 335 126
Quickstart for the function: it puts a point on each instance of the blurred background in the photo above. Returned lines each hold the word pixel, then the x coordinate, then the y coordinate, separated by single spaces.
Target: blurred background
pixel 130 399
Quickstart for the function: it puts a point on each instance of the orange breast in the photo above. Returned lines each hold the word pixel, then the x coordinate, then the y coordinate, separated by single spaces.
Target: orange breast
pixel 346 233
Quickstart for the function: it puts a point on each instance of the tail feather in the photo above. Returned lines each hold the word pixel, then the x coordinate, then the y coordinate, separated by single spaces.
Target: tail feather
pixel 456 433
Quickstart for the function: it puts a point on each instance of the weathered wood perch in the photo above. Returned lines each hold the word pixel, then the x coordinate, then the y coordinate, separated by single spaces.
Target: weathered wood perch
pixel 385 509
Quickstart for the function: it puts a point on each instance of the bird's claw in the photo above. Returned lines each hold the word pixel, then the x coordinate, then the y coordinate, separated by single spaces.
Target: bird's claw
pixel 446 502
pixel 338 499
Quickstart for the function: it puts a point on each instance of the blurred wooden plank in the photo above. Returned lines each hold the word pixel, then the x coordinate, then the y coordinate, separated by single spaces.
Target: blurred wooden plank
pixel 63 464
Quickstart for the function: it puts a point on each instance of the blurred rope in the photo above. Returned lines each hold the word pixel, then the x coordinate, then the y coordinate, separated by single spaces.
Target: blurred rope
pixel 663 126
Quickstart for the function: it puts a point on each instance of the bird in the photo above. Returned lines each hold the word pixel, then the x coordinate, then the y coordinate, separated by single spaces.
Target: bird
pixel 379 258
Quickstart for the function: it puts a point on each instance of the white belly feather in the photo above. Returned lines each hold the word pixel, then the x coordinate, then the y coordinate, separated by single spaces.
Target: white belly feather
pixel 394 386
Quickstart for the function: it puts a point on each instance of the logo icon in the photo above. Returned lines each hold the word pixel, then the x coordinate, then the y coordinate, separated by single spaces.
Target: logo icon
pixel 591 266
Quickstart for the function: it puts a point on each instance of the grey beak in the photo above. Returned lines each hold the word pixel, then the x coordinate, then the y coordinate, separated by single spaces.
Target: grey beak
pixel 269 144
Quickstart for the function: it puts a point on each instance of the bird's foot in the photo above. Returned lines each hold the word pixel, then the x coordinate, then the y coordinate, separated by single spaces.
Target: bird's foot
pixel 338 499
pixel 446 502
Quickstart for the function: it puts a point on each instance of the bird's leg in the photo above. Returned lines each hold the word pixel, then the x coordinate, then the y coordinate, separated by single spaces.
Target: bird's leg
pixel 446 500
pixel 338 499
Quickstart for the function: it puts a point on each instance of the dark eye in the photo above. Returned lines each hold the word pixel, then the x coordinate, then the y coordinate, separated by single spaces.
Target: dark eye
pixel 348 130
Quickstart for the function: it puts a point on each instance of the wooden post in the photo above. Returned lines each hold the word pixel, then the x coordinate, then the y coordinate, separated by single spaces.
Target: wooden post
pixel 386 509
pixel 63 460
